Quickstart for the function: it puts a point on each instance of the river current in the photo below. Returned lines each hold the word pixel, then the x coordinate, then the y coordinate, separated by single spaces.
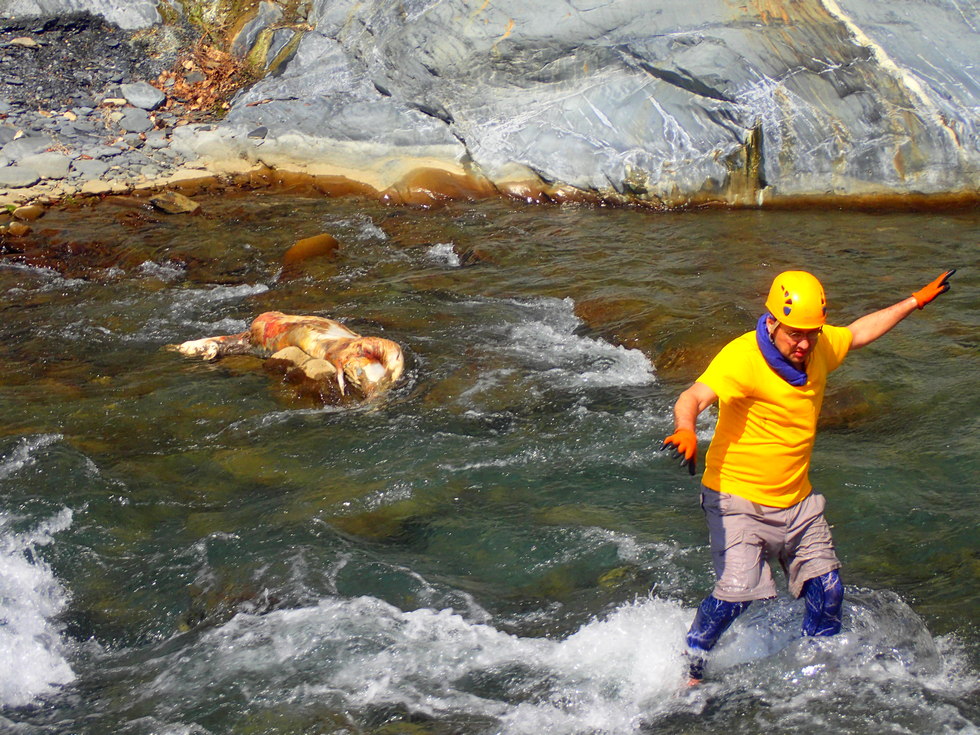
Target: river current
pixel 497 546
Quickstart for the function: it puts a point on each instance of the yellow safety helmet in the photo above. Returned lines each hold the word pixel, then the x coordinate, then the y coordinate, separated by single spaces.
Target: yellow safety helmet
pixel 797 300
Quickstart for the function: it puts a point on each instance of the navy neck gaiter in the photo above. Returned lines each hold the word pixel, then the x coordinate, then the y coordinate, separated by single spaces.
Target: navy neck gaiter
pixel 780 365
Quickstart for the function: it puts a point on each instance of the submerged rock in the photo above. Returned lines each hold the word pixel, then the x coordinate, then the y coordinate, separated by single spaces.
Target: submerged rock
pixel 173 202
pixel 323 245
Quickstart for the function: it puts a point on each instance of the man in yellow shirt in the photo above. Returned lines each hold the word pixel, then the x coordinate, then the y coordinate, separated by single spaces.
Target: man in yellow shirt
pixel 756 493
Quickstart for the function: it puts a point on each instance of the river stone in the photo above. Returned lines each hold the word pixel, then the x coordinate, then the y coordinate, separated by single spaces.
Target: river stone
pixel 102 151
pixel 27 146
pixel 29 212
pixel 143 95
pixel 317 246
pixel 173 202
pixel 89 168
pixel 135 120
pixel 49 165
pixel 17 177
pixel 96 187
pixel 18 229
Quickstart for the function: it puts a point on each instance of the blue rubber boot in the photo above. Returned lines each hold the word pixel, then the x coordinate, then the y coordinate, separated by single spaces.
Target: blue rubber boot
pixel 713 618
pixel 824 597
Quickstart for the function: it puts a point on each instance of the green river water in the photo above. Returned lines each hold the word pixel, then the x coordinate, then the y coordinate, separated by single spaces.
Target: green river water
pixel 496 546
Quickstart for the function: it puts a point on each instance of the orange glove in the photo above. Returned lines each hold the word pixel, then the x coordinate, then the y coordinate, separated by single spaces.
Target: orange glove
pixel 684 442
pixel 927 293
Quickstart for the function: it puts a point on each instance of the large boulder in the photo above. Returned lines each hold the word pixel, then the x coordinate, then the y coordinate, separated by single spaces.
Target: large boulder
pixel 641 99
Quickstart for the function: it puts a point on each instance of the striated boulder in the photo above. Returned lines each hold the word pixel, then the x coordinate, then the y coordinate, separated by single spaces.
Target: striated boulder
pixel 639 99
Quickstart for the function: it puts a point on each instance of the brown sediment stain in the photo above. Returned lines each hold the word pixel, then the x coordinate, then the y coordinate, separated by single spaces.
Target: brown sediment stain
pixel 885 202
pixel 341 186
pixel 745 170
pixel 429 186
pixel 771 11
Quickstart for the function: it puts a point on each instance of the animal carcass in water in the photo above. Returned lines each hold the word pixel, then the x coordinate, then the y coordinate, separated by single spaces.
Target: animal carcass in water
pixel 322 348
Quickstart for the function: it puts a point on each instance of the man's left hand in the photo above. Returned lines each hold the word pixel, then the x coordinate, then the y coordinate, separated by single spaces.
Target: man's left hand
pixel 927 293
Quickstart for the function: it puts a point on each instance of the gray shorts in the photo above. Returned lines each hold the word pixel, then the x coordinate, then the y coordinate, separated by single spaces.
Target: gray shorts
pixel 746 536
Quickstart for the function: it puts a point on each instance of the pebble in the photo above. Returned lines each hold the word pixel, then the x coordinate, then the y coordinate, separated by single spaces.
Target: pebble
pixel 142 95
pixel 157 139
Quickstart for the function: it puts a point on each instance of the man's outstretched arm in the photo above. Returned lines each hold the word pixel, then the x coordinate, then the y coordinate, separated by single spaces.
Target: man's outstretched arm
pixel 871 326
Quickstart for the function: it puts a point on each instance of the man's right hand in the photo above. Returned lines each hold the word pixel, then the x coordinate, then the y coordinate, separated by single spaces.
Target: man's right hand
pixel 684 442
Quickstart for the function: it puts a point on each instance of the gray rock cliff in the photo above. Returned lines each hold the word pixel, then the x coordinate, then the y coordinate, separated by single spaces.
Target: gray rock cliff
pixel 637 100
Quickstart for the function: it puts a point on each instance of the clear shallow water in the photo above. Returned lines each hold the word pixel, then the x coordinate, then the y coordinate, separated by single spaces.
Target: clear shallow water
pixel 189 547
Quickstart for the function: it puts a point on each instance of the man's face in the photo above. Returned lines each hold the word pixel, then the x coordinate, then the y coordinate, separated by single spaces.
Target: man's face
pixel 794 344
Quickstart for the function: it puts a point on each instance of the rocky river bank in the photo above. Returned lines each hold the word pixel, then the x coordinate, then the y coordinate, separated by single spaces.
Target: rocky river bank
pixel 622 103
pixel 78 113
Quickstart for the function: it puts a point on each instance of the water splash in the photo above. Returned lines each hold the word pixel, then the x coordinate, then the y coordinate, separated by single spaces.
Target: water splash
pixel 31 647
pixel 364 654
pixel 544 334
pixel 443 253
pixel 25 453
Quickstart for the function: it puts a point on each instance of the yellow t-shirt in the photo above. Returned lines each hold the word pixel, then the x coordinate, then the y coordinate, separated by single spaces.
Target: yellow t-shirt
pixel 766 427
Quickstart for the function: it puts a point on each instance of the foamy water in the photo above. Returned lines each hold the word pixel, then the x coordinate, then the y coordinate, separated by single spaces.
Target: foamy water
pixel 443 252
pixel 194 548
pixel 620 673
pixel 545 340
pixel 31 598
